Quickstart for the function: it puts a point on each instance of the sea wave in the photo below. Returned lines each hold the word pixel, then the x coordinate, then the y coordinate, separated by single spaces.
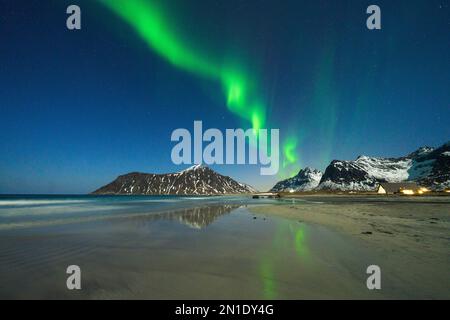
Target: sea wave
pixel 22 202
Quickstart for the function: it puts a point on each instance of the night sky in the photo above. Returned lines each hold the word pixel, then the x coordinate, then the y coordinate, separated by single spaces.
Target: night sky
pixel 78 108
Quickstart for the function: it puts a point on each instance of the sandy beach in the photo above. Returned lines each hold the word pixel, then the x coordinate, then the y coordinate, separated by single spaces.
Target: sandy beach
pixel 409 235
pixel 315 247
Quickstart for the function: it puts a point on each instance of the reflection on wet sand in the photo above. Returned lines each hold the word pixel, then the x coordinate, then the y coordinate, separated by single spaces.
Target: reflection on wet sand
pixel 197 217
pixel 287 236
pixel 155 256
pixel 201 217
pixel 202 250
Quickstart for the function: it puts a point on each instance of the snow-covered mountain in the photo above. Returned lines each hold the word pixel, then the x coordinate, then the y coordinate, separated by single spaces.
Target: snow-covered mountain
pixel 433 169
pixel 196 180
pixel 306 180
pixel 428 166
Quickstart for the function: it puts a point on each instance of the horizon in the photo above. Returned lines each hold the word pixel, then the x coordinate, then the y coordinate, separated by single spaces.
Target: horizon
pixel 81 107
pixel 208 166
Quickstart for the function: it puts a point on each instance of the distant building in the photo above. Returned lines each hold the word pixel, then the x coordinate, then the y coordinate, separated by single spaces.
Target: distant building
pixel 400 187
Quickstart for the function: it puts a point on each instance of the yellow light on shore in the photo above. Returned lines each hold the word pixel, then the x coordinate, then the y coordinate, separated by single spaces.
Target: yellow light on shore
pixel 291 191
pixel 423 189
pixel 407 191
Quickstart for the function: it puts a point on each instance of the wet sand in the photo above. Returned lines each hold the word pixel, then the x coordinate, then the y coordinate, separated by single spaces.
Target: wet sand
pixel 213 252
pixel 312 248
pixel 408 237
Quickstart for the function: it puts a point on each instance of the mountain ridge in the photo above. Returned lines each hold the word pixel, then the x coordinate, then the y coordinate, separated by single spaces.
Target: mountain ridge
pixel 195 180
pixel 306 180
pixel 428 166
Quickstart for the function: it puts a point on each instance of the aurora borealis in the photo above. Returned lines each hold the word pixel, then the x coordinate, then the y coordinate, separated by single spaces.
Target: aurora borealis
pixel 148 20
pixel 150 23
pixel 81 107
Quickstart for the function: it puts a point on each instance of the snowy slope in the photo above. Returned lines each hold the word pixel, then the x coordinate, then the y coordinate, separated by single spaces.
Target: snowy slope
pixel 429 167
pixel 433 168
pixel 307 179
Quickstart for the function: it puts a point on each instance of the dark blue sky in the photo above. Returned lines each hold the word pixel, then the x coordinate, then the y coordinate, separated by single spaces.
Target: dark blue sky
pixel 78 108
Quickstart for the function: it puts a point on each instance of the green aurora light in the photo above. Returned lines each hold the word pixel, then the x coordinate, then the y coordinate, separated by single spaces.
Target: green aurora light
pixel 149 21
pixel 287 236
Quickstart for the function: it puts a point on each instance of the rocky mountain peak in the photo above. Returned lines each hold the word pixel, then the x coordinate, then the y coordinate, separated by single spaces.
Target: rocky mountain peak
pixel 306 179
pixel 195 180
pixel 420 152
